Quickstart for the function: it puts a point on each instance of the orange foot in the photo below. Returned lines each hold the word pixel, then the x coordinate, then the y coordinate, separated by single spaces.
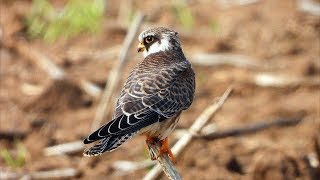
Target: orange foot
pixel 150 140
pixel 166 149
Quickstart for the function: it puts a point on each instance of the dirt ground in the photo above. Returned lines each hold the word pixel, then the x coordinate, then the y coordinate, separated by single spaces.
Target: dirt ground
pixel 271 32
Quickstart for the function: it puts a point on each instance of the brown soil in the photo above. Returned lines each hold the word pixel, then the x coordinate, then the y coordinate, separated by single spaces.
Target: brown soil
pixel 272 32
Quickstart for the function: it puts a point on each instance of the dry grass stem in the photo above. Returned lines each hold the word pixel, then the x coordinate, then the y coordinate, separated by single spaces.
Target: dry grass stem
pixel 126 167
pixel 106 54
pixel 309 6
pixel 116 72
pixel 50 174
pixel 236 60
pixel 61 149
pixel 251 128
pixel 275 80
pixel 45 63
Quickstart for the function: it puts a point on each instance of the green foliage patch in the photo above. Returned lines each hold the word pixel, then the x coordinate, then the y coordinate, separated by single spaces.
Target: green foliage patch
pixel 75 17
pixel 15 161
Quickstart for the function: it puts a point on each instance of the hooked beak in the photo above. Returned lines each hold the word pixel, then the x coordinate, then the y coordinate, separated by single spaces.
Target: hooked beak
pixel 141 47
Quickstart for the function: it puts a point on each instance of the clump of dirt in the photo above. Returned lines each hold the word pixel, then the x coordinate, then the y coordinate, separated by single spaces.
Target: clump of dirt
pixel 60 95
pixel 276 164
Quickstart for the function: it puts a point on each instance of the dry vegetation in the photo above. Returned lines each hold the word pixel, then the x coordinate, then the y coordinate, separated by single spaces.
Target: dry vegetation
pixel 268 128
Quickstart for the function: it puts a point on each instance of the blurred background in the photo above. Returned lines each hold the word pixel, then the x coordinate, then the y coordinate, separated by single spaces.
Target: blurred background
pixel 56 58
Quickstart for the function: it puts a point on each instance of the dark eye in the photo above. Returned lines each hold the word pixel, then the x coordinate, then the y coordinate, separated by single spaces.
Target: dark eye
pixel 149 39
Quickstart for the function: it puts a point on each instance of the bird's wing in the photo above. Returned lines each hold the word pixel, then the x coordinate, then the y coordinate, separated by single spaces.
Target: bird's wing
pixel 148 98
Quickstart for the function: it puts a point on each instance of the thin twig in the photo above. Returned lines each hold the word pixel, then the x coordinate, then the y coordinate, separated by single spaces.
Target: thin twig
pixel 77 54
pixel 114 76
pixel 60 149
pixel 186 139
pixel 317 147
pixel 38 58
pixel 269 79
pixel 50 174
pixel 229 4
pixel 45 63
pixel 309 6
pixel 124 11
pixel 275 80
pixel 252 128
pixel 125 167
pixel 227 59
pixel 312 165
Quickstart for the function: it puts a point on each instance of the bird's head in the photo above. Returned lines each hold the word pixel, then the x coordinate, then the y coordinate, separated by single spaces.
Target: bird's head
pixel 158 39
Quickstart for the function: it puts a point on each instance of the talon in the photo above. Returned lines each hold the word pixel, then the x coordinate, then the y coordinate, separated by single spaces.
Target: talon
pixel 150 140
pixel 166 149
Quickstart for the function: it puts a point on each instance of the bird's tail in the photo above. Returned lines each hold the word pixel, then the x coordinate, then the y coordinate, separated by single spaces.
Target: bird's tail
pixel 109 143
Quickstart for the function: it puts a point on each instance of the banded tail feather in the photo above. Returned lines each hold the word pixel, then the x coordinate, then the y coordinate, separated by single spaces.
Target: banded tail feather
pixel 123 125
pixel 108 144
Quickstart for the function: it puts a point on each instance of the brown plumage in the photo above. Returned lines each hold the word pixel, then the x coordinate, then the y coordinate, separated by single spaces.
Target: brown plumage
pixel 156 92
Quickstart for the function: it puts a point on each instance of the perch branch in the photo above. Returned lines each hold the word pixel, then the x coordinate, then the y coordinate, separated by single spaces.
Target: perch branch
pixel 164 160
pixel 115 74
pixel 249 129
pixel 186 138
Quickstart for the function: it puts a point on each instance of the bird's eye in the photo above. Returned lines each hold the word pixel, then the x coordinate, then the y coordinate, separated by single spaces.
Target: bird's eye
pixel 149 39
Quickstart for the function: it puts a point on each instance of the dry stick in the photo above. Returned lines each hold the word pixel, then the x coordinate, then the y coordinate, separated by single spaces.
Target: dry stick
pixel 77 54
pixel 226 59
pixel 50 174
pixel 114 76
pixel 165 162
pixel 309 6
pixel 229 4
pixel 186 138
pixel 252 128
pixel 125 167
pixel 270 79
pixel 61 149
pixel 55 174
pixel 275 80
pixel 313 165
pixel 317 147
pixel 124 11
pixel 49 67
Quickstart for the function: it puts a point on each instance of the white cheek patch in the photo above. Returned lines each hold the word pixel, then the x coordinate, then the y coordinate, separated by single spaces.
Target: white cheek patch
pixel 157 47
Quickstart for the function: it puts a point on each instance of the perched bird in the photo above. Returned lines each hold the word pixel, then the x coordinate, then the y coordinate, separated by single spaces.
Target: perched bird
pixel 157 90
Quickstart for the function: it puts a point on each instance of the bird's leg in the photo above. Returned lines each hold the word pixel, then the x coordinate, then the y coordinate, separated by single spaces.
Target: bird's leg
pixel 166 149
pixel 150 140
